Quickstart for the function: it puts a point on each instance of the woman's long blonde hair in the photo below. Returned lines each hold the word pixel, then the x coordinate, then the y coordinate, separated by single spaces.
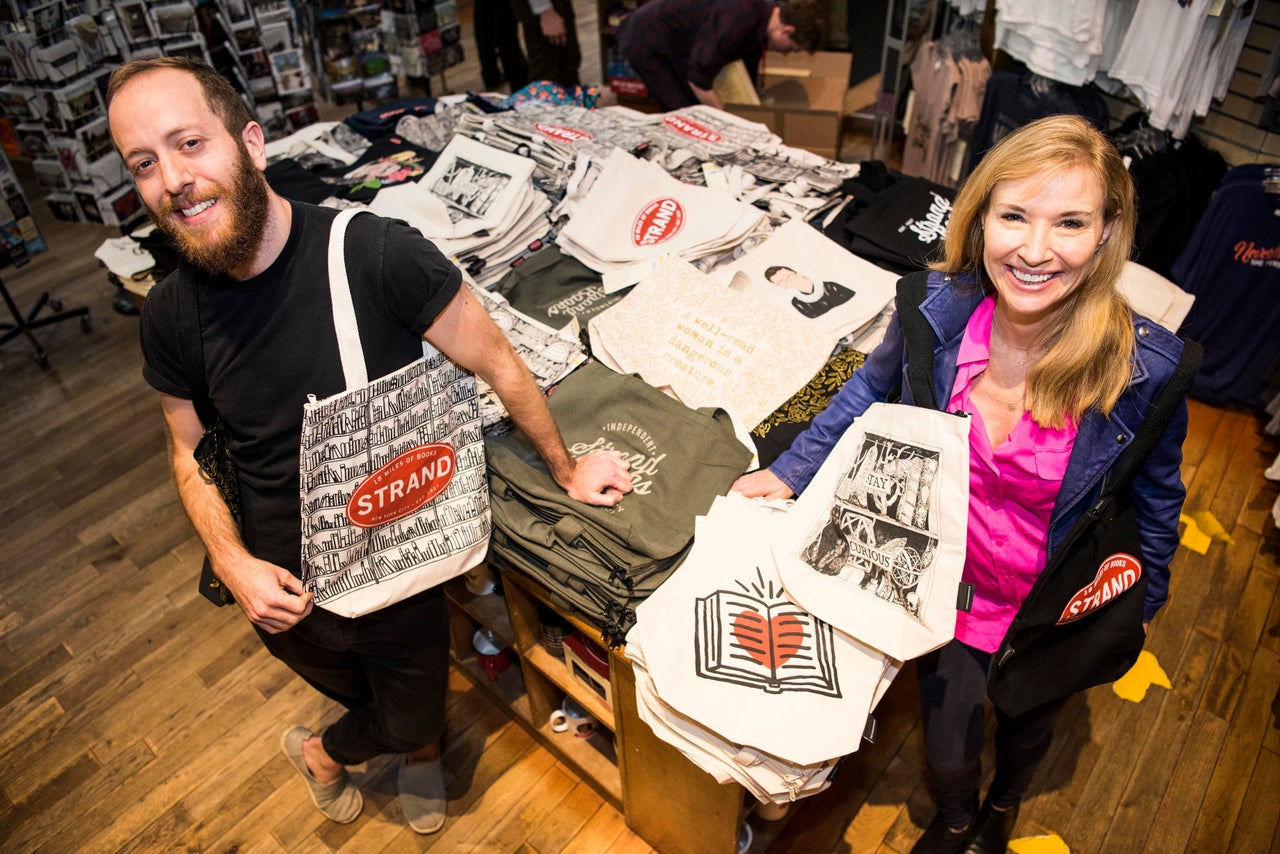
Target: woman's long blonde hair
pixel 1088 363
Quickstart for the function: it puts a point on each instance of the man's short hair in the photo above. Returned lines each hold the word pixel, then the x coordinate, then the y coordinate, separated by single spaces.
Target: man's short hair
pixel 806 16
pixel 221 96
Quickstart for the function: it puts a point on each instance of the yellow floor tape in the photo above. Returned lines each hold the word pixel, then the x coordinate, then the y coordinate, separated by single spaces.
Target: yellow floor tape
pixel 1145 672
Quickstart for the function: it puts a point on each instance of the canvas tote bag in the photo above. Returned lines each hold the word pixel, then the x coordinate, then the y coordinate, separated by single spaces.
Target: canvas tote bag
pixel 875 544
pixel 395 496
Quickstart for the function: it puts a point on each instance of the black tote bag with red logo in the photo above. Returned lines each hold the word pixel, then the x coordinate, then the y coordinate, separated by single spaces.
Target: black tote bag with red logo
pixel 1070 635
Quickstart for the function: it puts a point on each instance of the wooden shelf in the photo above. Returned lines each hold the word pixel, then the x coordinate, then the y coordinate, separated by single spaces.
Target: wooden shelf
pixel 537 682
pixel 507 690
pixel 594 759
pixel 558 672
pixel 673 805
pixel 489 611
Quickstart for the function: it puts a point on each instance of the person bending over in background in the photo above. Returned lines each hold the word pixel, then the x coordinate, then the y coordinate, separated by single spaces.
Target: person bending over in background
pixel 679 46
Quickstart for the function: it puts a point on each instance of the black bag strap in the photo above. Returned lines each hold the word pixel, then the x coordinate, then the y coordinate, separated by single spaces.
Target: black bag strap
pixel 919 334
pixel 1158 417
pixel 193 351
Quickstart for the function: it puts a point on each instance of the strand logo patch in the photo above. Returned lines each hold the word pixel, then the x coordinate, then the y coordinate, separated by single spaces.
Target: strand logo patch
pixel 560 133
pixel 682 125
pixel 1117 574
pixel 659 221
pixel 402 486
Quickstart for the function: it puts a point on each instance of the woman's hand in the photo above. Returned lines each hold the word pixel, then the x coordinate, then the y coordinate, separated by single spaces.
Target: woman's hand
pixel 762 484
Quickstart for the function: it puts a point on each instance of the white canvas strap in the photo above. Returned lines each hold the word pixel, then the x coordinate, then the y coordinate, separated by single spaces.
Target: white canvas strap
pixel 344 310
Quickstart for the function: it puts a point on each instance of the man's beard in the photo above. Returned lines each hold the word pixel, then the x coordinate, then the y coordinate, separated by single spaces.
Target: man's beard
pixel 246 203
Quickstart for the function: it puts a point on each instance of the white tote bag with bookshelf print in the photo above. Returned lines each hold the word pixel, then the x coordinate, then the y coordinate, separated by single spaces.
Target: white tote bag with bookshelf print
pixel 876 543
pixel 395 495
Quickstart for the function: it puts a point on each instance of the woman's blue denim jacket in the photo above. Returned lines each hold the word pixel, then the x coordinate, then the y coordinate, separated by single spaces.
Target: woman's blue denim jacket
pixel 1158 490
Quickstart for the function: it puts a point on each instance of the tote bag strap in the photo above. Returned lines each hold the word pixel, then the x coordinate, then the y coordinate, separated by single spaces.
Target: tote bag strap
pixel 919 335
pixel 193 351
pixel 1159 415
pixel 344 311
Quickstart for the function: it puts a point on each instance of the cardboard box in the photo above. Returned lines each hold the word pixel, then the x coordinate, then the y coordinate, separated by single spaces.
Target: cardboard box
pixel 589 664
pixel 802 99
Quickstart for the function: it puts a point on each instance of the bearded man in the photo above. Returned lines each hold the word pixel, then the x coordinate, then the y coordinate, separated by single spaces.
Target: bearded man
pixel 255 271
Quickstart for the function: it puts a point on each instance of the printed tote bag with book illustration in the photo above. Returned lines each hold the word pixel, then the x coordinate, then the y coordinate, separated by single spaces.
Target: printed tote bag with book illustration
pixel 727 647
pixel 875 545
pixel 394 490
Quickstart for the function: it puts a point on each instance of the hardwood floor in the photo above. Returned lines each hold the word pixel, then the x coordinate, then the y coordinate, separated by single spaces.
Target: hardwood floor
pixel 134 716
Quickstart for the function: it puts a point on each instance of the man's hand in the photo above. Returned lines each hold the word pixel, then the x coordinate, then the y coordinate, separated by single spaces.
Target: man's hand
pixel 599 478
pixel 270 596
pixel 706 96
pixel 553 27
pixel 762 484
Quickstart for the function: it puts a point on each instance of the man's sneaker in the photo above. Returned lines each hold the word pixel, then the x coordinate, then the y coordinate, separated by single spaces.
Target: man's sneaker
pixel 422 794
pixel 338 801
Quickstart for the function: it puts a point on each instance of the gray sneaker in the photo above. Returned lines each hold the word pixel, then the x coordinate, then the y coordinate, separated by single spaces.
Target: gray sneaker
pixel 338 801
pixel 422 794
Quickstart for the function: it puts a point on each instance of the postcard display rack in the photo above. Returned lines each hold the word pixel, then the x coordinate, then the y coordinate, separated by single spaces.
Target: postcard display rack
pixel 56 58
pixel 19 236
pixel 361 50
pixel 672 804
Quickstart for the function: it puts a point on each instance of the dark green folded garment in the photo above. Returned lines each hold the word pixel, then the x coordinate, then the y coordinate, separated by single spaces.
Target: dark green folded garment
pixel 681 459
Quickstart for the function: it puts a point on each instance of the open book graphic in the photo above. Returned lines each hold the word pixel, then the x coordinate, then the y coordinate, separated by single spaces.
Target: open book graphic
pixel 763 640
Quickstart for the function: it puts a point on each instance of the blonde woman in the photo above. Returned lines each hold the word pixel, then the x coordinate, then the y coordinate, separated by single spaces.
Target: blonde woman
pixel 1029 336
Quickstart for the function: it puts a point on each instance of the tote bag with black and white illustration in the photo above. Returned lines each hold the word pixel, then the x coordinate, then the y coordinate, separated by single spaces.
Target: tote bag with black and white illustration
pixel 875 545
pixel 395 496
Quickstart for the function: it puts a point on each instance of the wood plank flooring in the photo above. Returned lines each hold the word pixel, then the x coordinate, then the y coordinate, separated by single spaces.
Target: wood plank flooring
pixel 134 716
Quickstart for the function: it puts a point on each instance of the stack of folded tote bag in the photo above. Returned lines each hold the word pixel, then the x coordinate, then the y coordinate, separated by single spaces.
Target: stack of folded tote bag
pixel 556 289
pixel 634 211
pixel 710 345
pixel 703 133
pixel 730 671
pixel 603 561
pixel 477 204
pixel 550 354
pixel 812 278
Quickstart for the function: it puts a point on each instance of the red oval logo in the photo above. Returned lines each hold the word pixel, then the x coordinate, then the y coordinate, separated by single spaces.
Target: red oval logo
pixel 1117 574
pixel 402 485
pixel 560 133
pixel 660 221
pixel 682 125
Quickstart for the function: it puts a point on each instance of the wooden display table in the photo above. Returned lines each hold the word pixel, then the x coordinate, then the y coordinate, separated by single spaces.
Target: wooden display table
pixel 668 801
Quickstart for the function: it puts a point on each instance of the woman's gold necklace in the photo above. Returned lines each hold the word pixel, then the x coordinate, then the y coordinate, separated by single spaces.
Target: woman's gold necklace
pixel 1012 407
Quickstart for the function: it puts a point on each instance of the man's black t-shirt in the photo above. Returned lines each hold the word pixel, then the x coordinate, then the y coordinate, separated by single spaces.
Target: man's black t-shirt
pixel 269 342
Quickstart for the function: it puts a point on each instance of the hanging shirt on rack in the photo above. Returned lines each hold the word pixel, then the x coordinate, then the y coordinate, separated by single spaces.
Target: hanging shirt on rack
pixel 1232 266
